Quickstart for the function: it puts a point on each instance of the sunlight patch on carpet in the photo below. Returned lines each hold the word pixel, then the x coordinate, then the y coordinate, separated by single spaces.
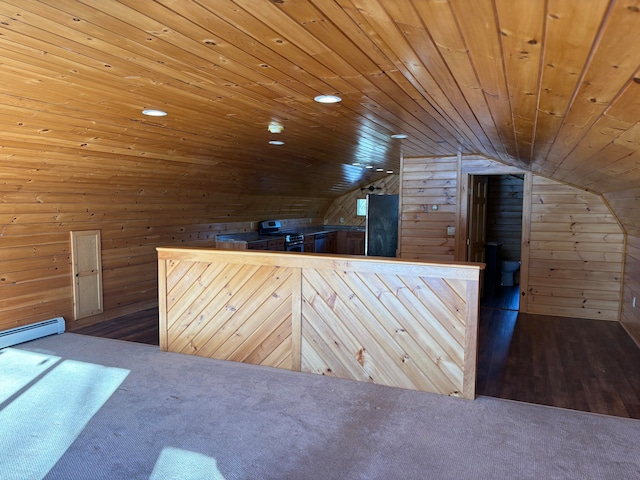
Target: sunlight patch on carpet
pixel 174 462
pixel 18 368
pixel 40 424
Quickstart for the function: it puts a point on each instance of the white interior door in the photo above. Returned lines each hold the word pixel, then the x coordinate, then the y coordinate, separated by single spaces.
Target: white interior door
pixel 87 273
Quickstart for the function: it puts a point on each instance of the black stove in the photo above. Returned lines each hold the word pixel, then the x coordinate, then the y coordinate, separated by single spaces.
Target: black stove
pixel 293 241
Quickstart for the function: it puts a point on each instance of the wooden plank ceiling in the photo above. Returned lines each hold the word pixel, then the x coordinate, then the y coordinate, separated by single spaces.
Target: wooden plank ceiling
pixel 548 85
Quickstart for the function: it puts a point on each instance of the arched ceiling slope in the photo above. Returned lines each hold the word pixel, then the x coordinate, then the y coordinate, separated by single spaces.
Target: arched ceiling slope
pixel 552 86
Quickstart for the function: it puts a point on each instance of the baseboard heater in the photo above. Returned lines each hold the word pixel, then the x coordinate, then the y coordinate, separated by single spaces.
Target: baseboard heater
pixel 32 331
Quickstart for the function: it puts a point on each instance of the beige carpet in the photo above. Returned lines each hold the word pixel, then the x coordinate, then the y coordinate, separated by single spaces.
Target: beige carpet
pixel 78 407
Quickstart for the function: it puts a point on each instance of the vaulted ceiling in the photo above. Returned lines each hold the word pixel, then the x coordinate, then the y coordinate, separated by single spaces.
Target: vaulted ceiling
pixel 552 86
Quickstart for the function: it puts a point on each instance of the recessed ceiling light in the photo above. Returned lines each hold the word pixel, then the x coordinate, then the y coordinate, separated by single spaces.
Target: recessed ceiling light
pixel 379 169
pixel 328 99
pixel 276 142
pixel 154 113
pixel 275 128
pixel 369 166
pixel 389 171
pixel 399 135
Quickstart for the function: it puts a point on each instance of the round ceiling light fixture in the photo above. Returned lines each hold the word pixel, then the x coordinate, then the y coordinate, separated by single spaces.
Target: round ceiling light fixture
pixel 152 112
pixel 399 135
pixel 275 128
pixel 327 99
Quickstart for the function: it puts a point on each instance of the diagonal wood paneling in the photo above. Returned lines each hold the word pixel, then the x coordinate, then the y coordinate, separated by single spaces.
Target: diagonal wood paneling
pixel 251 305
pixel 403 324
pixel 384 328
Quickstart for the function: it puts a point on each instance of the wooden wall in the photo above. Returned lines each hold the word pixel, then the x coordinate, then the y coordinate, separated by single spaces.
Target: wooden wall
pixel 573 241
pixel 630 316
pixel 504 214
pixel 342 210
pixel 428 205
pixel 576 253
pixel 37 212
pixel 626 204
pixel 403 324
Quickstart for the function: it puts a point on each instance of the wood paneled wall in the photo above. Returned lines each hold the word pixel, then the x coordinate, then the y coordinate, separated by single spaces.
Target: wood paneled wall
pixel 342 210
pixel 428 206
pixel 37 213
pixel 504 214
pixel 402 324
pixel 576 253
pixel 630 316
pixel 626 204
pixel 575 242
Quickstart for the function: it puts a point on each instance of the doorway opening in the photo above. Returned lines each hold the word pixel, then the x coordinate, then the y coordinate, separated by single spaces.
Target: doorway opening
pixel 495 213
pixel 495 236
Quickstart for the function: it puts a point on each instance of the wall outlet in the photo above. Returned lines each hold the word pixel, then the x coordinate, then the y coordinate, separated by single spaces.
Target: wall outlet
pixel 341 219
pixel 451 230
pixel 633 303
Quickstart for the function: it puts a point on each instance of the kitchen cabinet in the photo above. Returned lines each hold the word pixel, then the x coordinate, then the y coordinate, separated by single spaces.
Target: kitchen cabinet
pixel 309 243
pixel 259 245
pixel 332 242
pixel 355 243
pixel 320 243
pixel 277 244
pixel 350 242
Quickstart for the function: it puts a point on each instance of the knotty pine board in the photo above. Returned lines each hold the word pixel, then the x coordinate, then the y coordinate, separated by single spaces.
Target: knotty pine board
pixel 404 324
pixel 342 210
pixel 571 261
pixel 575 246
pixel 40 207
pixel 630 317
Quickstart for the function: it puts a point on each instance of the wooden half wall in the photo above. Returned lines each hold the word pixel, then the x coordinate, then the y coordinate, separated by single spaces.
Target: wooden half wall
pixel 572 249
pixel 404 324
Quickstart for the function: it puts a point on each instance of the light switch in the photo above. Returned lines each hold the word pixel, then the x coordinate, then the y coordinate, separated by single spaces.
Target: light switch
pixel 451 230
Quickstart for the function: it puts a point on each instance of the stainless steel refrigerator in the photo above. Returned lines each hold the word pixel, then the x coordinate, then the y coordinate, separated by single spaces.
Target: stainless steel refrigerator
pixel 382 225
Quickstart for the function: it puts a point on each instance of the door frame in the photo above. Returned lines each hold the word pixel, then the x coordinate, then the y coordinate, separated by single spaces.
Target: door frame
pixel 494 168
pixel 87 280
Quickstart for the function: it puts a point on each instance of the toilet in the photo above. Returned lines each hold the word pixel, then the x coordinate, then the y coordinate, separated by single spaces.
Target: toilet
pixel 508 271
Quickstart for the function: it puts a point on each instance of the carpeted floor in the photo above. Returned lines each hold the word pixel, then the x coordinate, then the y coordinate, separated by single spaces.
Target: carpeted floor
pixel 119 410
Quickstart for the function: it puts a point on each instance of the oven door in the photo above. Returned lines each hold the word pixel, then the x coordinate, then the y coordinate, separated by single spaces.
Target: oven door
pixel 294 247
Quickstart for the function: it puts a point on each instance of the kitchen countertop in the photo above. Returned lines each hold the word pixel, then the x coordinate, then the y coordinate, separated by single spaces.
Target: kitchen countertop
pixel 256 237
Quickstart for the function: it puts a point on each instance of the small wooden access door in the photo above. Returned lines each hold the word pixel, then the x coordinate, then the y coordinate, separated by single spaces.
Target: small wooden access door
pixel 87 273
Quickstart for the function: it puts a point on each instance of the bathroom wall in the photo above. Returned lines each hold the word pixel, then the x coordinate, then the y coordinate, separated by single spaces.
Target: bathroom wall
pixel 504 214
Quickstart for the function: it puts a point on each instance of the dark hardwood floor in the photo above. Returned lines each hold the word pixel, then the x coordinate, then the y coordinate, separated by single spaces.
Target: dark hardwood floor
pixel 140 327
pixel 589 365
